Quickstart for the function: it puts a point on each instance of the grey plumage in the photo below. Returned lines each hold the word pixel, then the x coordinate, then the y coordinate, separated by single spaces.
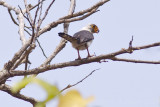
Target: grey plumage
pixel 80 40
pixel 83 36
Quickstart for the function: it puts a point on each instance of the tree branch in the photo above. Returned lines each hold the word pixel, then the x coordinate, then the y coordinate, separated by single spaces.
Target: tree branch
pixel 28 12
pixel 3 3
pixel 22 58
pixel 134 61
pixel 80 62
pixel 68 17
pixel 46 12
pixel 69 86
pixel 7 88
pixel 97 5
pixel 21 28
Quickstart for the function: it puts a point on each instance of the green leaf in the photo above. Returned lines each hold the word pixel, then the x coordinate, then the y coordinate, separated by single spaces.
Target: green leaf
pixel 51 90
pixel 21 84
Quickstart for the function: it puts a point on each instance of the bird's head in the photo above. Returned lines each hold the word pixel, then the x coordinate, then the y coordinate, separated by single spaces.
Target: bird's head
pixel 92 28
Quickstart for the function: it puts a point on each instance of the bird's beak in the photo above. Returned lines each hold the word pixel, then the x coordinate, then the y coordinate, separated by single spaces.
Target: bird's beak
pixel 97 31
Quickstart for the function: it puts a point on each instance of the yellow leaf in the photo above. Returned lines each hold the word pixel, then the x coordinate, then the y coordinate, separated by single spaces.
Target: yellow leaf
pixel 73 99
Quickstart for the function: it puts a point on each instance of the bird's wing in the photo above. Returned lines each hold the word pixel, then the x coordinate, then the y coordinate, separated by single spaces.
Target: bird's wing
pixel 67 37
pixel 83 36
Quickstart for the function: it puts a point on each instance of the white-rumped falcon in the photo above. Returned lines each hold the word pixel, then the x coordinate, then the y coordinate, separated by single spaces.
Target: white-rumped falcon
pixel 82 39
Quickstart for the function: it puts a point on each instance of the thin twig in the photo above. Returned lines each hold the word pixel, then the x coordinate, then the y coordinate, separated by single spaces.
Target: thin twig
pixel 46 12
pixel 40 14
pixel 36 13
pixel 41 48
pixel 97 5
pixel 130 45
pixel 25 16
pixel 69 86
pixel 28 13
pixel 36 5
pixel 134 60
pixel 22 58
pixel 9 11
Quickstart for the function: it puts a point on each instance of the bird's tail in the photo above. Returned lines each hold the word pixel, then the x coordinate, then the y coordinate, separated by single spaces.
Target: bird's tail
pixel 67 37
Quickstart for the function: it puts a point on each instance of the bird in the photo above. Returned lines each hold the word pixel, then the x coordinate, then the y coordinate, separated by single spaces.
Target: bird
pixel 82 39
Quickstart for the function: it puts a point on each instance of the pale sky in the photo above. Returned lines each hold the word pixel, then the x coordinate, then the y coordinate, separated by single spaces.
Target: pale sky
pixel 116 84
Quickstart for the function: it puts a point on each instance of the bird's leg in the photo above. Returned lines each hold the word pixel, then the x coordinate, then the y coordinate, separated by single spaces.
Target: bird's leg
pixel 79 58
pixel 88 53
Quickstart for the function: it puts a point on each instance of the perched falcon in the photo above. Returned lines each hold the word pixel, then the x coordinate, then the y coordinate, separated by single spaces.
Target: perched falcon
pixel 82 39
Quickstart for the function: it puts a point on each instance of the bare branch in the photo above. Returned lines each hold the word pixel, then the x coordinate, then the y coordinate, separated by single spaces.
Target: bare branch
pixel 20 52
pixel 69 86
pixel 27 11
pixel 30 20
pixel 32 7
pixel 21 28
pixel 22 58
pixel 68 17
pixel 46 12
pixel 41 48
pixel 41 20
pixel 71 11
pixel 130 45
pixel 7 88
pixel 79 62
pixel 9 11
pixel 97 5
pixel 40 15
pixel 135 61
pixel 36 13
pixel 23 11
pixel 3 3
pixel 82 17
pixel 56 51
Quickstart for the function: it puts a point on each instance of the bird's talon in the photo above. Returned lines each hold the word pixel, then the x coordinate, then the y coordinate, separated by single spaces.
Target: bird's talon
pixel 90 56
pixel 78 59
